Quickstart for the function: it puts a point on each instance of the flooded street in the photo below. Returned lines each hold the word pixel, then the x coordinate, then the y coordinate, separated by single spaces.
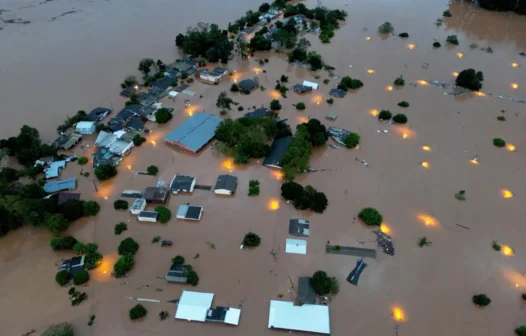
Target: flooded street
pixel 57 65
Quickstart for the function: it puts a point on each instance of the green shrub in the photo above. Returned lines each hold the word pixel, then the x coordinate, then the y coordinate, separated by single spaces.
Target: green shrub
pixel 461 195
pixel 520 331
pixel 436 44
pixel 275 105
pixel 80 277
pixel 386 28
pixel 470 79
pixel 384 115
pixel 498 142
pixel 447 13
pixel 164 214
pixel 330 101
pixel 251 240
pixel 137 312
pixel 191 277
pixel 523 296
pixel 253 188
pixel 163 315
pixel 351 140
pixel 400 118
pixel 321 283
pixel 284 79
pixel 403 104
pixel 423 241
pixel 120 228
pixel 163 115
pixel 403 35
pixel 90 208
pixel 62 277
pixel 326 81
pixel 178 260
pixel 452 39
pixel 105 172
pixel 62 329
pixel 300 106
pixel 152 170
pixel 124 264
pixel 501 118
pixel 481 300
pixel 495 246
pixel 370 216
pixel 82 160
pixel 120 205
pixel 128 246
pixel 349 83
pixel 291 190
pixel 399 81
pixel 156 239
pixel 234 88
pixel 62 243
pixel 138 140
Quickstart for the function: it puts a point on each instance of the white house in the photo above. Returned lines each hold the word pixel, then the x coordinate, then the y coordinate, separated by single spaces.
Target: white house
pixel 313 85
pixel 307 317
pixel 210 77
pixel 138 206
pixel 225 185
pixel 148 216
pixel 196 306
pixel 86 127
pixel 296 246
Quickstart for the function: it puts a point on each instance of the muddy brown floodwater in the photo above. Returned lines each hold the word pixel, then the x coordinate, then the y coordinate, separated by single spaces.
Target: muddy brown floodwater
pixel 50 68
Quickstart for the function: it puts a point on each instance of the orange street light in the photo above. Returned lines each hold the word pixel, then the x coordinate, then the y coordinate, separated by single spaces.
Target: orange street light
pixel 460 55
pixel 506 193
pixel 426 148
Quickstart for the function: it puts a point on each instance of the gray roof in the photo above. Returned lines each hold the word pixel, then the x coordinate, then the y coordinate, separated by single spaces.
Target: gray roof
pixel 181 66
pixel 73 265
pixel 181 183
pixel 299 227
pixel 177 273
pixel 195 132
pixel 58 185
pixel 278 149
pixel 259 113
pixel 98 114
pixel 226 182
pixel 190 212
pixel 299 88
pixel 155 194
pixel 220 71
pixel 248 30
pixel 247 84
pixel 66 196
pixel 67 141
pixel 306 293
pixel 354 276
pixel 148 214
pixel 338 93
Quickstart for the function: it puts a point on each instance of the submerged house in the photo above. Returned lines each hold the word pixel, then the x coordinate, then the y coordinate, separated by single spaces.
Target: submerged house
pixel 209 76
pixel 261 112
pixel 299 227
pixel 196 306
pixel 338 93
pixel 73 265
pixel 160 88
pixel 190 212
pixel 85 127
pixel 177 273
pixel 156 195
pixel 148 216
pixel 247 85
pixel 103 156
pixel 298 88
pixel 225 185
pixel 66 196
pixel 183 66
pixel 306 293
pixel 182 183
pixel 295 246
pixel 248 33
pixel 277 152
pixel 97 114
pixel 138 206
pixel 67 141
pixel 59 185
pixel 193 134
pixel 308 317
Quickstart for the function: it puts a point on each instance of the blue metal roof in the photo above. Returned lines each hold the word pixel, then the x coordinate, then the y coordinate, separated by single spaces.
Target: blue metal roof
pixel 195 132
pixel 58 185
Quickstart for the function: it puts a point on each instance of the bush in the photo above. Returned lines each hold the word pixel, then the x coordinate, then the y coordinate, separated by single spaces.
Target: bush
pixel 152 170
pixel 330 101
pixel 120 205
pixel 386 28
pixel 284 79
pixel 447 13
pixel 461 195
pixel 403 104
pixel 326 81
pixel 234 88
pixel 349 83
pixel 91 208
pixel 72 209
pixel 137 312
pixel 436 44
pixel 371 216
pixel 300 106
pixel 163 115
pixel 120 228
pixel 251 240
pixel 400 118
pixel 495 246
pixel 138 140
pixel 452 39
pixel 124 264
pixel 80 277
pixel 275 105
pixel 253 188
pixel 62 277
pixel 501 118
pixel 403 35
pixel 56 223
pixel 520 331
pixel 523 296
pixel 321 283
pixel 384 115
pixel 291 190
pixel 105 172
pixel 470 79
pixel 128 246
pixel 481 300
pixel 82 160
pixel 164 214
pixel 62 329
pixel 498 142
pixel 62 243
pixel 191 277
pixel 351 140
pixel 399 81
pixel 178 260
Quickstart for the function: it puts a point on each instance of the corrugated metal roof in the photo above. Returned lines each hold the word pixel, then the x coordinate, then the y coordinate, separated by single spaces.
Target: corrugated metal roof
pixel 312 318
pixel 195 132
pixel 278 149
pixel 59 185
pixel 193 306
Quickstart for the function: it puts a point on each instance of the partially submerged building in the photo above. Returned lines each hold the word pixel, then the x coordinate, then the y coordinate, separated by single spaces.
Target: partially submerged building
pixel 160 88
pixel 299 88
pixel 103 156
pixel 156 195
pixel 190 212
pixel 299 227
pixel 338 134
pixel 67 141
pixel 59 185
pixel 247 85
pixel 354 276
pixel 138 206
pixel 295 246
pixel 66 196
pixel 177 273
pixel 261 112
pixel 183 66
pixel 73 265
pixel 193 134
pixel 98 114
pixel 196 306
pixel 148 216
pixel 277 152
pixel 225 185
pixel 307 317
pixel 182 183
pixel 313 85
pixel 85 127
pixel 306 293
pixel 339 93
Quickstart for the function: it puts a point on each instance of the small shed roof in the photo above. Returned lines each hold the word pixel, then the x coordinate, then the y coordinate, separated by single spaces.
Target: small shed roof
pixel 138 205
pixel 301 88
pixel 310 318
pixel 306 292
pixel 148 214
pixel 296 246
pixel 193 306
pixel 278 149
pixel 58 185
pixel 226 182
pixel 194 133
pixel 313 85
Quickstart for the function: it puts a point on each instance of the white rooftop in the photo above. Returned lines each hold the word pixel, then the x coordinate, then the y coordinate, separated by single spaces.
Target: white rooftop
pixel 313 85
pixel 193 306
pixel 85 124
pixel 310 318
pixel 296 246
pixel 232 316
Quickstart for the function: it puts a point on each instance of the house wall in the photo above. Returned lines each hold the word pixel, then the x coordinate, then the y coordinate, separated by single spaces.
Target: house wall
pixel 222 192
pixel 146 219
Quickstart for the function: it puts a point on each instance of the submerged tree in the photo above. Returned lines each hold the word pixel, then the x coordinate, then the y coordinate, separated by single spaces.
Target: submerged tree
pixel 224 101
pixel 470 79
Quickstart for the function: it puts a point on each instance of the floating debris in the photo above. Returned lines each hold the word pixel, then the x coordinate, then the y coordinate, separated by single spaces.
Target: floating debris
pixel 512 99
pixel 385 242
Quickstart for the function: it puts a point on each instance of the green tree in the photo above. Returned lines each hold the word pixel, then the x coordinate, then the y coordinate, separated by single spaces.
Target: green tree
pixel 62 277
pixel 56 223
pixel 72 209
pixel 163 115
pixel 452 39
pixel 400 118
pixel 291 190
pixel 124 265
pixel 32 191
pixel 386 28
pixel 351 140
pixel 128 246
pixel 275 105
pixel 399 81
pixel 179 40
pixel 234 88
pixel 105 172
pixel 319 202
pixel 436 44
pixel 91 208
pixel 260 42
pixel 403 35
pixel 137 312
pixel 498 142
pixel 300 106
pixel 370 216
pixel 152 170
pixel 120 228
pixel 253 188
pixel 251 240
pixel 178 260
pixel 318 134
pixel 321 283
pixel 138 140
pixel 285 38
pixel 145 66
pixel 520 331
pixel 224 101
pixel 164 214
pixel 62 243
pixel 120 205
pixel 8 175
pixel 80 277
pixel 470 79
pixel 62 329
pixel 403 104
pixel 82 160
pixel 481 300
pixel 264 7
pixel 347 83
pixel 314 60
pixel 191 277
pixel 384 115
